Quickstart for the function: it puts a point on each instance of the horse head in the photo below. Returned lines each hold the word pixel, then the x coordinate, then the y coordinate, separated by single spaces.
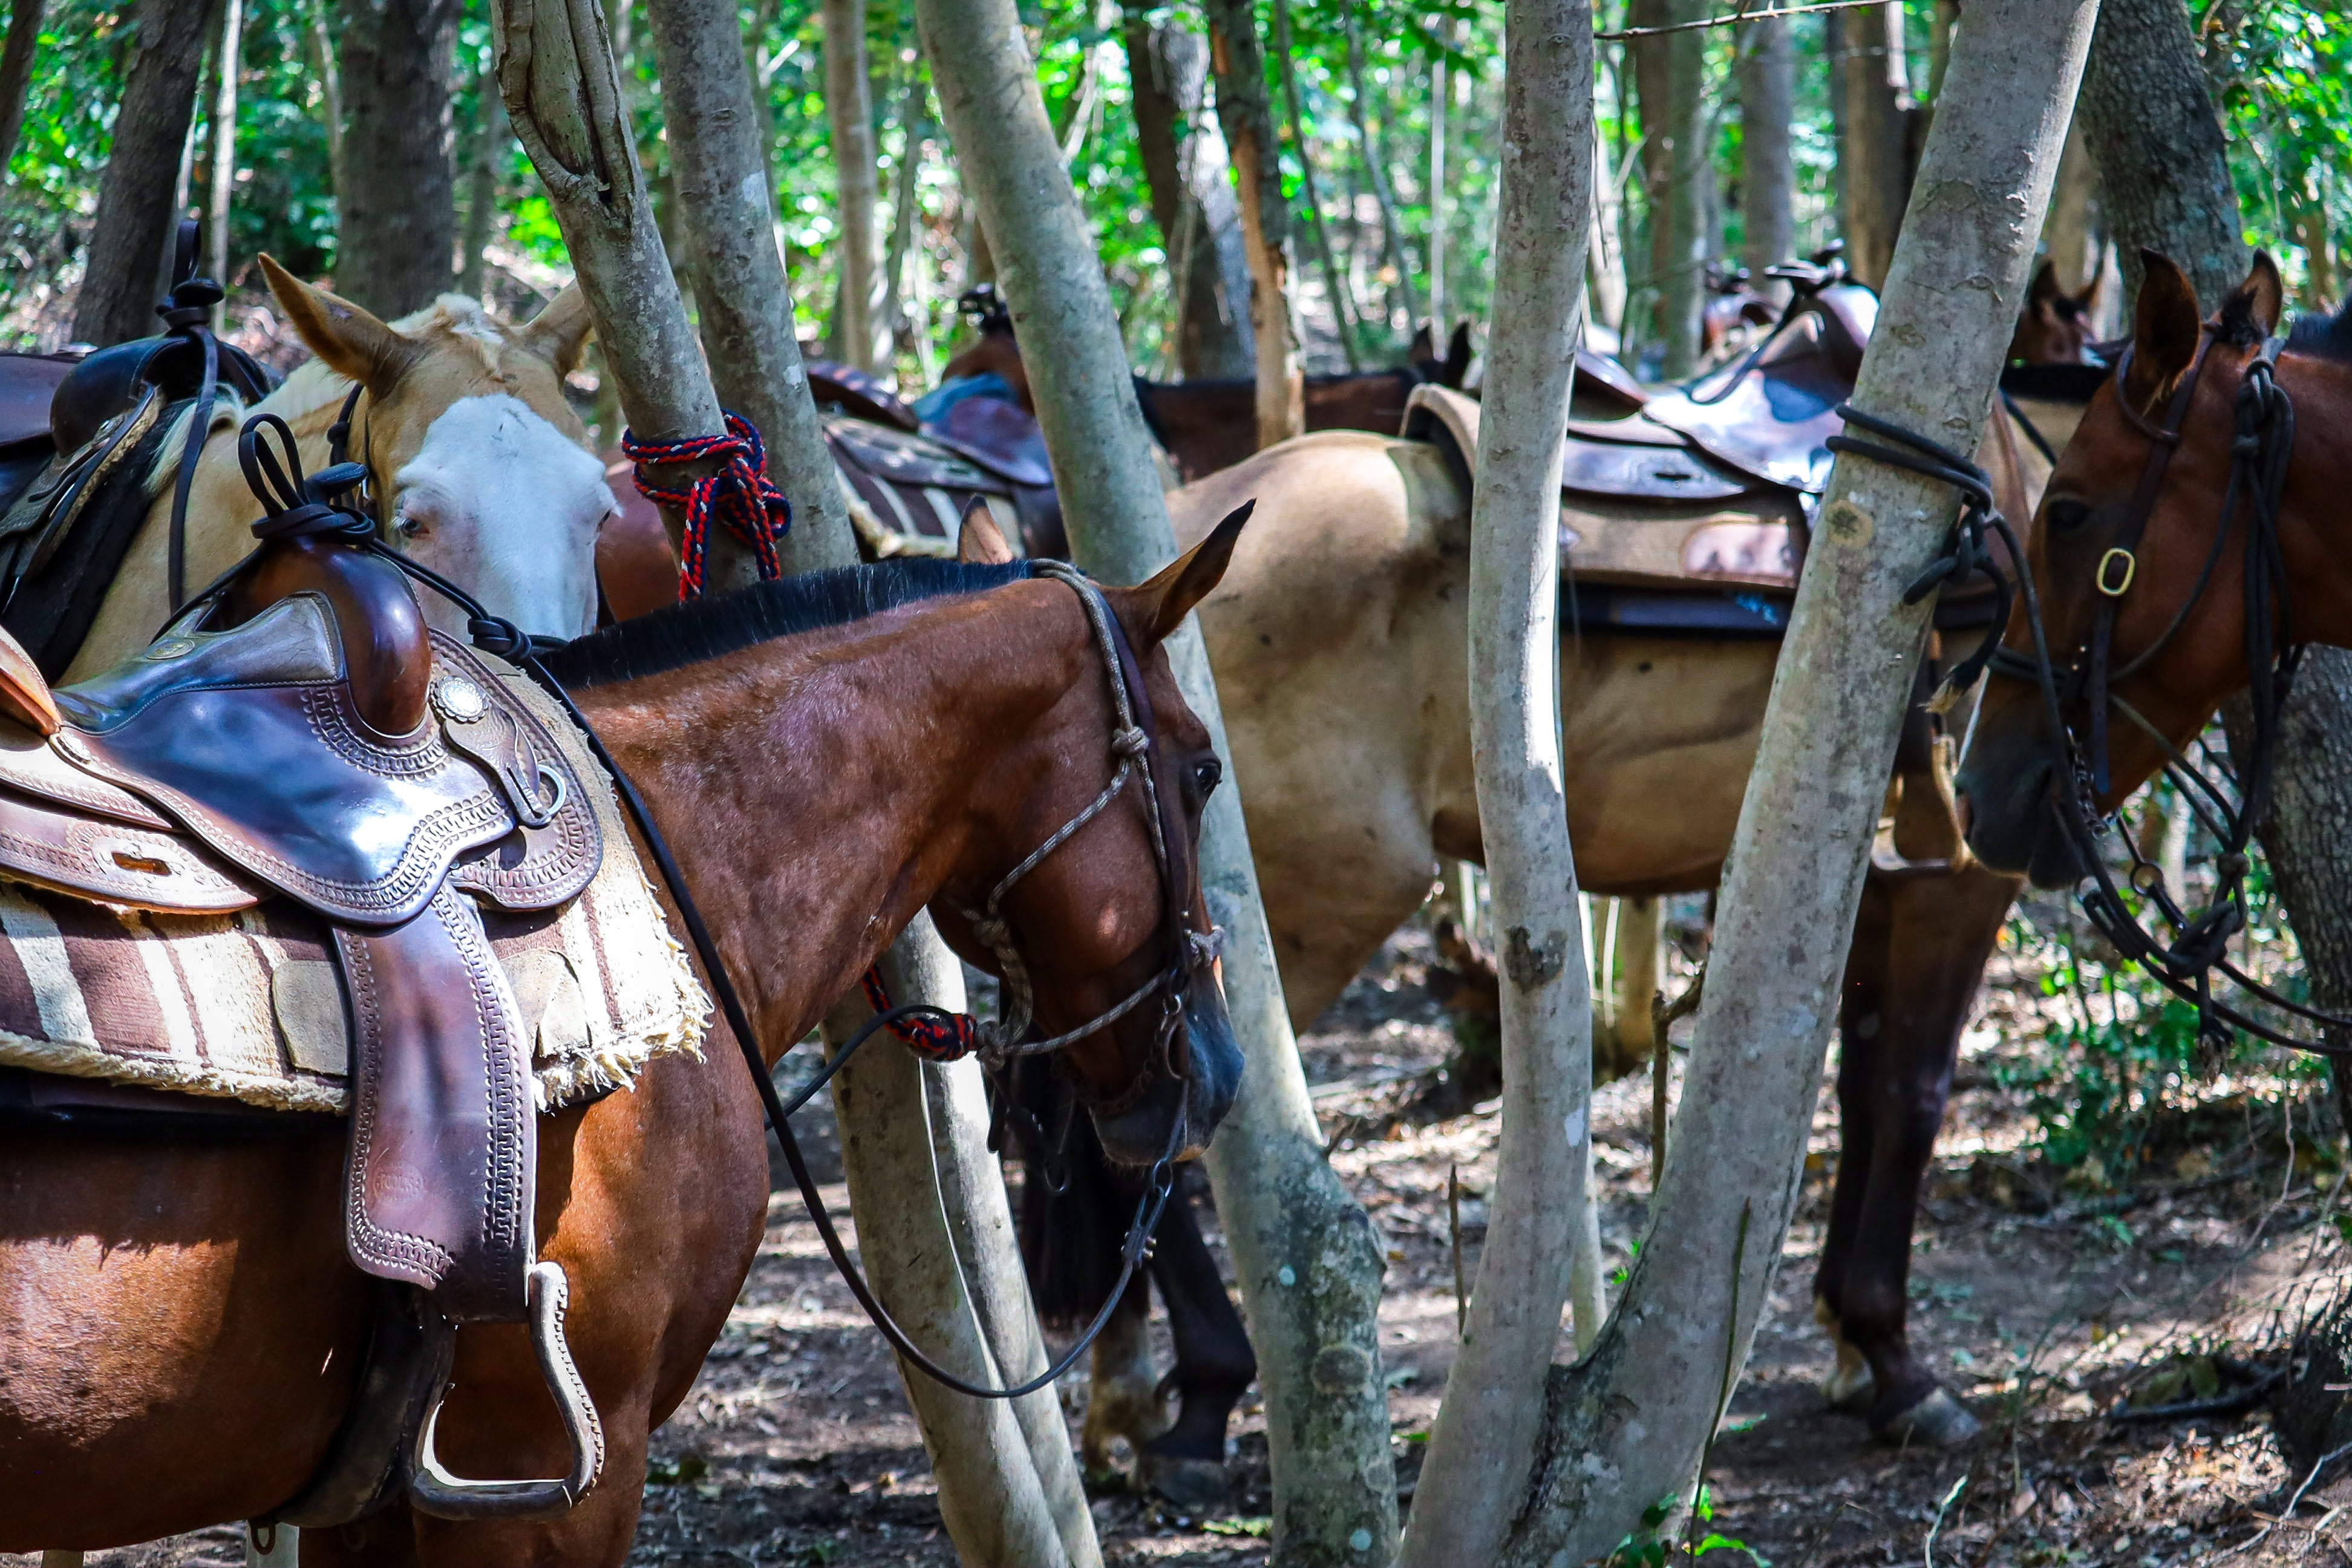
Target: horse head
pixel 484 473
pixel 1116 909
pixel 2055 326
pixel 2139 554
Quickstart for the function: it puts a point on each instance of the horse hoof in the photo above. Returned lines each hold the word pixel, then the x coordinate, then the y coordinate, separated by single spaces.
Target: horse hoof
pixel 1195 1484
pixel 1848 1388
pixel 1938 1421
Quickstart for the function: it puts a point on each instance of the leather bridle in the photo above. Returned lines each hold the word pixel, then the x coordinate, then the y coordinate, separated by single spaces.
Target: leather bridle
pixel 2185 961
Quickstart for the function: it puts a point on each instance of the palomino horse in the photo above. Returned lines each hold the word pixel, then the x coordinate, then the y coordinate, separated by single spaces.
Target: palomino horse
pixel 483 472
pixel 179 1326
pixel 2143 573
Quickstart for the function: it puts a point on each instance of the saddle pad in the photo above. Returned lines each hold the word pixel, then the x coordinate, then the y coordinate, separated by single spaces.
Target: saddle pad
pixel 248 1006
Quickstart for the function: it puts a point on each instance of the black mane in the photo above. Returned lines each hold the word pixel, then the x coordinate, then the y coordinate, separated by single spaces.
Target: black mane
pixel 2322 336
pixel 699 629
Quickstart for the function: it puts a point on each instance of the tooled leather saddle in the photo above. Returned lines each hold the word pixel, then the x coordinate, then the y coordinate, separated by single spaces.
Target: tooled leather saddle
pixel 300 733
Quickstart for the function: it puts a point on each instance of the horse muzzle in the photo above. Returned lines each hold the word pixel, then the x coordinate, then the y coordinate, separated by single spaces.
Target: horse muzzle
pixel 1201 1095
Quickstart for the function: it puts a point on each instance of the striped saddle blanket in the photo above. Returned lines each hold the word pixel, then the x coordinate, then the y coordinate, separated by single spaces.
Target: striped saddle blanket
pixel 250 1007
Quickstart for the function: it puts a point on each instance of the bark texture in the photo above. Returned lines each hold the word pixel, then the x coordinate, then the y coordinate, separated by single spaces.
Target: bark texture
pixel 1483 1443
pixel 1185 168
pixel 717 155
pixel 130 245
pixel 398 206
pixel 1768 97
pixel 1871 153
pixel 1247 117
pixel 16 72
pixel 2153 132
pixel 849 110
pixel 222 186
pixel 1627 1425
pixel 1310 1266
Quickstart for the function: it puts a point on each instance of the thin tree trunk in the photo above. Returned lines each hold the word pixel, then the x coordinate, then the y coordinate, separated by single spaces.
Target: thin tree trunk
pixel 1871 152
pixel 716 156
pixel 1689 195
pixel 328 73
pixel 16 73
pixel 1375 153
pixel 2164 183
pixel 1239 65
pixel 223 184
pixel 1441 104
pixel 849 110
pixel 906 192
pixel 491 139
pixel 398 227
pixel 2070 236
pixel 1309 1265
pixel 1343 310
pixel 136 215
pixel 1653 236
pixel 1628 1425
pixel 1483 1443
pixel 1768 106
pixel 1168 67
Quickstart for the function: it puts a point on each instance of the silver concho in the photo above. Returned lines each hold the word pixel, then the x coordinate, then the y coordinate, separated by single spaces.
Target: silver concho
pixel 459 699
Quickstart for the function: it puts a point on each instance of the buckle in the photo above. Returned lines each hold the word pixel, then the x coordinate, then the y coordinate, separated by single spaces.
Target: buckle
pixel 2118 589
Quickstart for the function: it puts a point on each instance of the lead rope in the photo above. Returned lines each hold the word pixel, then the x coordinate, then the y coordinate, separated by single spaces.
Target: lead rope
pixel 737 493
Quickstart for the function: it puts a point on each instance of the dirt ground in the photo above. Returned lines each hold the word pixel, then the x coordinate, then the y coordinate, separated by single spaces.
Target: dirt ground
pixel 2046 1310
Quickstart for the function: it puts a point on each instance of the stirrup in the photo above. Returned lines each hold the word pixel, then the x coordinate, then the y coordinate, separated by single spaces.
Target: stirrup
pixel 433 1490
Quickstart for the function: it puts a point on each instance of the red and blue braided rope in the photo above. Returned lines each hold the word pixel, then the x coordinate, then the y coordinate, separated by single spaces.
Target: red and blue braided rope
pixel 738 494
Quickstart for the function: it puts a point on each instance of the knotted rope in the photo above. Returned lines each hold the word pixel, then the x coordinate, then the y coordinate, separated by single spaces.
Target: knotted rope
pixel 737 493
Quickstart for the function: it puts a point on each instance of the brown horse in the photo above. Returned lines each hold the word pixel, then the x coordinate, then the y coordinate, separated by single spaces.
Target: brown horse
pixel 179 1327
pixel 2105 538
pixel 2055 328
pixel 481 468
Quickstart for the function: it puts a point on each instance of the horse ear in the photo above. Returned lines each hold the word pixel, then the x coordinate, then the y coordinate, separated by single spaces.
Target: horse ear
pixel 978 541
pixel 2044 290
pixel 1457 355
pixel 2253 307
pixel 349 341
pixel 2165 327
pixel 559 332
pixel 1424 348
pixel 1159 607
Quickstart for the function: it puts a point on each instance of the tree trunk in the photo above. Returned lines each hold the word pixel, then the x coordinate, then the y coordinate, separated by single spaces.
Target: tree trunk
pixel 849 110
pixel 1628 1425
pixel 1440 106
pixel 2164 183
pixel 2158 143
pixel 16 73
pixel 1309 1264
pixel 754 357
pixel 1247 118
pixel 223 184
pixel 1334 283
pixel 490 139
pixel 906 196
pixel 1689 195
pixel 398 231
pixel 130 243
pixel 1483 1443
pixel 1768 175
pixel 320 48
pixel 1653 97
pixel 1375 153
pixel 1168 67
pixel 1871 153
pixel 2070 236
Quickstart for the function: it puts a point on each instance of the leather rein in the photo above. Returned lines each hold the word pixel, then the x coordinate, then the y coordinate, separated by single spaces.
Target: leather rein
pixel 2185 961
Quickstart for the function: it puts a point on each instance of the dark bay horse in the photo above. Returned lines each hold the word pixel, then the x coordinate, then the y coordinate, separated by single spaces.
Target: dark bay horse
pixel 2145 541
pixel 179 1327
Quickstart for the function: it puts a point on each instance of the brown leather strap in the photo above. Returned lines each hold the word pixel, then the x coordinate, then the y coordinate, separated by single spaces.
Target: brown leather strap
pixel 444 1152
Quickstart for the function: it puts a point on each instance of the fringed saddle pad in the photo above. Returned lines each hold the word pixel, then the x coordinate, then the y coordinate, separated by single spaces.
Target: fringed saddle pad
pixel 250 1007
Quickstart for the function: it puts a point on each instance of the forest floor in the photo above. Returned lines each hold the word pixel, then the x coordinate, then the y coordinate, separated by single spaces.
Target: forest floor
pixel 2043 1305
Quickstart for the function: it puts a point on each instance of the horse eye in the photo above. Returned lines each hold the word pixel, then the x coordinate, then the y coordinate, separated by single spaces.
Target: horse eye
pixel 1206 772
pixel 2065 516
pixel 408 527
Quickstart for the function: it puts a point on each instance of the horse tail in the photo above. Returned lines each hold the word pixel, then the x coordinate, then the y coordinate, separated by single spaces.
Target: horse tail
pixel 1074 1205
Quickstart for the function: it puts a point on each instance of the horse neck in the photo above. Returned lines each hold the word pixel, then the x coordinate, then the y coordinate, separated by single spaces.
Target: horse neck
pixel 819 790
pixel 2314 528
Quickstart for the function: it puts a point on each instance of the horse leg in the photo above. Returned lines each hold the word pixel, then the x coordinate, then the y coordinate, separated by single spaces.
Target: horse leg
pixel 1861 1032
pixel 1123 1385
pixel 1214 1365
pixel 1941 930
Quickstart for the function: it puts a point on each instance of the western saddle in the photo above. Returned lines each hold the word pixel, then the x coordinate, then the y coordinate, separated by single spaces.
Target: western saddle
pixel 407 787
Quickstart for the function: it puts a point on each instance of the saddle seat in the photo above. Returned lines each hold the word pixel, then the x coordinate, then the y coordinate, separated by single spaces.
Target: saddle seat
pixel 306 736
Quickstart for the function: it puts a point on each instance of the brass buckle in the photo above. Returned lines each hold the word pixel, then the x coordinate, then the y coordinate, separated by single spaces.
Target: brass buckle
pixel 2131 569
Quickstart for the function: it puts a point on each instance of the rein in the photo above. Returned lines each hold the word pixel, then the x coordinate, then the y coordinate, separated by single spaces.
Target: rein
pixel 317 506
pixel 2260 450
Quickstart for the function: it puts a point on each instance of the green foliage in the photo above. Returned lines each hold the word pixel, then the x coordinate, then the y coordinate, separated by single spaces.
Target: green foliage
pixel 2281 76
